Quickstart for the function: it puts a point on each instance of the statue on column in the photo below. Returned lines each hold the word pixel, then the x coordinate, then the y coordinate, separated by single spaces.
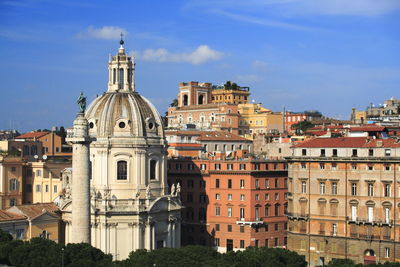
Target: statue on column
pixel 81 103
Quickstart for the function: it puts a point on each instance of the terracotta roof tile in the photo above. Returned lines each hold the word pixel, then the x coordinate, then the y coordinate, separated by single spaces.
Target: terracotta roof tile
pixel 34 210
pixel 32 135
pixel 359 142
pixel 10 216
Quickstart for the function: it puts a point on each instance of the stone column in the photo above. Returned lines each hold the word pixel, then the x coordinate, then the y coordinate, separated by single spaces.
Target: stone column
pixel 80 180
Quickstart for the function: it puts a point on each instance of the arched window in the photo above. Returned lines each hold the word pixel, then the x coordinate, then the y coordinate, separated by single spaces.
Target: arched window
pixel 153 165
pixel 114 76
pixel 121 78
pixel 121 170
pixel 185 100
pixel 129 74
pixel 201 98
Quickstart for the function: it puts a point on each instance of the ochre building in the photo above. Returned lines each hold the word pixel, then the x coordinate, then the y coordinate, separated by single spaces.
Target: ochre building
pixel 343 200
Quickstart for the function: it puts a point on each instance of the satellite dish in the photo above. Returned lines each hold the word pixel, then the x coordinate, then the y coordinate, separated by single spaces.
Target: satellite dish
pixel 36 156
pixel 44 157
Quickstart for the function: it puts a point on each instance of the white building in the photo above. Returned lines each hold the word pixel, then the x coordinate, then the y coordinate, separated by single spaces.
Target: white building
pixel 130 204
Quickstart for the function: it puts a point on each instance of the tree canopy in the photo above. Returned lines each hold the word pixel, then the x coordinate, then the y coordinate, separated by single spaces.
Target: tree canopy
pixel 303 126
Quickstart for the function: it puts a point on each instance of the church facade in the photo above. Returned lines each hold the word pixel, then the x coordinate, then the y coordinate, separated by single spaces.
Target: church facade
pixel 131 206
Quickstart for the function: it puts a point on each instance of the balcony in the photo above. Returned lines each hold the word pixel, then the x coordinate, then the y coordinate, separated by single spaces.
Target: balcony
pixel 297 216
pixel 255 222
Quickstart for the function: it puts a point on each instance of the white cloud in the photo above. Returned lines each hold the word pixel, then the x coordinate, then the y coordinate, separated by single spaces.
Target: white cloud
pixel 105 32
pixel 303 7
pixel 259 65
pixel 201 54
pixel 262 21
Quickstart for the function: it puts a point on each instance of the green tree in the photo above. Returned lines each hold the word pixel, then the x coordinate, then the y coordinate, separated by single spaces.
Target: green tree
pixel 174 103
pixel 302 127
pixel 83 254
pixel 36 252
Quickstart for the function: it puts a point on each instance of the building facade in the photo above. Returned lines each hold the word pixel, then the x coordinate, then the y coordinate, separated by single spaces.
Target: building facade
pixel 343 200
pixel 232 204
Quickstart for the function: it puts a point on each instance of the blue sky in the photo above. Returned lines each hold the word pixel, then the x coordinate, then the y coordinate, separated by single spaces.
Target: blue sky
pixel 328 55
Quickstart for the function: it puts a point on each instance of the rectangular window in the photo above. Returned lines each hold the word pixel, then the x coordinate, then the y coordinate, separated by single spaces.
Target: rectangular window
pixel 229 228
pixel 257 196
pixel 304 152
pixel 387 215
pixel 266 196
pixel 19 234
pixel 242 229
pixel 370 214
pixel 217 196
pixel 55 188
pixel 387 252
pixel 322 188
pixel 370 167
pixel 257 211
pixel 229 212
pixel 370 152
pixel 38 189
pixel 217 227
pixel 266 211
pixel 322 153
pixel 334 229
pixel 370 190
pixel 47 188
pixel 241 183
pixel 242 214
pixel 217 166
pixel 276 241
pixel 353 167
pixel 322 166
pixel 242 197
pixel 334 188
pixel 334 166
pixel 242 167
pixel 257 184
pixel 303 187
pixel 354 153
pixel 13 169
pixel 229 196
pixel 276 183
pixel 354 213
pixel 276 196
pixel 276 227
pixel 230 166
pixel 241 243
pixel 217 242
pixel 203 167
pixel 217 211
pixel 266 243
pixel 387 190
pixel 334 152
pixel 229 183
pixel 303 166
pixel 216 183
pixel 353 189
pixel 387 152
pixel 38 173
pixel 267 183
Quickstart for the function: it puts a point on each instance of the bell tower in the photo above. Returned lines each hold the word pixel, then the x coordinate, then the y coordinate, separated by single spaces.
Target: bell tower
pixel 121 71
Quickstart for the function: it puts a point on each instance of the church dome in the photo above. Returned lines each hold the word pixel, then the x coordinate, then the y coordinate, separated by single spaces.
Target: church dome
pixel 121 111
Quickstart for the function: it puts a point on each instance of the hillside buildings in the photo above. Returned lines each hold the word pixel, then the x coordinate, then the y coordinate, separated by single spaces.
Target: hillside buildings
pixel 343 200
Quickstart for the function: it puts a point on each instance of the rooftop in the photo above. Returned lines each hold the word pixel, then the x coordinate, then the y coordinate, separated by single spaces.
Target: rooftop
pixel 349 142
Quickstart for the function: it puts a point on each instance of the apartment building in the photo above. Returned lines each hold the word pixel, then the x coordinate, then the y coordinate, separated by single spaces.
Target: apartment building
pixel 231 204
pixel 343 199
